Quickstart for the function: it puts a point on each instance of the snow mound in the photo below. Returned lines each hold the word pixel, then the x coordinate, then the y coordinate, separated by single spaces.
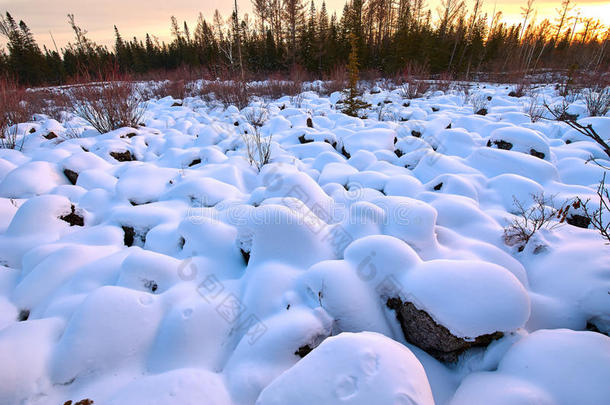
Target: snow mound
pixel 469 298
pixel 352 368
pixel 548 367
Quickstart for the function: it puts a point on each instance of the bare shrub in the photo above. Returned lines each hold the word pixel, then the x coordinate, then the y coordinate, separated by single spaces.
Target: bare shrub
pixel 541 214
pixel 413 89
pixel 597 100
pixel 480 104
pixel 258 149
pixel 108 105
pixel 597 217
pixel 13 110
pixel 177 89
pixel 297 100
pixel 229 92
pixel 337 81
pixel 520 89
pixel 53 103
pixel 444 82
pixel 559 112
pixel 274 89
pixel 534 110
pixel 386 84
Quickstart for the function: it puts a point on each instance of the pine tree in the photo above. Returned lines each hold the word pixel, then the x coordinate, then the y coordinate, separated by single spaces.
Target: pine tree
pixel 353 103
pixel 294 14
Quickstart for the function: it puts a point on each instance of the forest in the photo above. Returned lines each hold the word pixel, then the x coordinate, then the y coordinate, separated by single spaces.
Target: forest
pixel 455 39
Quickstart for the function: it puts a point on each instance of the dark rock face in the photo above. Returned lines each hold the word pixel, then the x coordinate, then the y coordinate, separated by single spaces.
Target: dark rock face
pixel 23 316
pixel 123 156
pixel 73 218
pixel 151 285
pixel 195 162
pixel 421 330
pixel 534 152
pixel 129 235
pixel 345 153
pixel 132 237
pixel 416 134
pixel 503 145
pixel 71 175
pixel 303 351
pixel 246 256
pixel 303 140
pixel 86 401
pixel 398 152
pixel 579 220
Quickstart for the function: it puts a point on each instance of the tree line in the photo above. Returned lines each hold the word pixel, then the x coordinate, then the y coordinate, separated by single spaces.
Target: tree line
pixel 456 39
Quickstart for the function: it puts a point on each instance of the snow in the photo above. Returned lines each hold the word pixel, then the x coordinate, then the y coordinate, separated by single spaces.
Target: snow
pixel 547 367
pixel 353 369
pixel 496 299
pixel 194 275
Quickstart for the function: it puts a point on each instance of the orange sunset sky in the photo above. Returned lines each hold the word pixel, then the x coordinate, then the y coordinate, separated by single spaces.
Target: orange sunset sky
pixel 136 17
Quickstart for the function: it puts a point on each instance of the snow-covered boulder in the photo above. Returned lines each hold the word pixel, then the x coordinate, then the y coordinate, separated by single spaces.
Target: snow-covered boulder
pixel 352 368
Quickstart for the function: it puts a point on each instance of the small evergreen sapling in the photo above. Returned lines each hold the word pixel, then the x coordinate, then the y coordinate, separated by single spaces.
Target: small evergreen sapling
pixel 353 103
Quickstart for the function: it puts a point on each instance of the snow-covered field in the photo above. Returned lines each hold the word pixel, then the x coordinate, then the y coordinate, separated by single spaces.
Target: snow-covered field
pixel 182 275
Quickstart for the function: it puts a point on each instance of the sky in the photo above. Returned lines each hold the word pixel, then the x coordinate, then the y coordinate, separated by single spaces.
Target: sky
pixel 137 17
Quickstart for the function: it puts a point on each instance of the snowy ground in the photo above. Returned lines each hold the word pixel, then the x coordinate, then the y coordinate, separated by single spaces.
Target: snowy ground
pixel 231 273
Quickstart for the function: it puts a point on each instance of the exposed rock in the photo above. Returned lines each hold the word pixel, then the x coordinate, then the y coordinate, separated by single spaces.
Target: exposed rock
pixel 580 221
pixel 309 122
pixel 71 175
pixel 132 237
pixel 303 351
pixel 416 134
pixel 177 104
pixel 246 256
pixel 73 218
pixel 344 153
pixel 123 156
pixel 151 285
pixel 482 111
pixel 195 162
pixel 303 140
pixel 534 152
pixel 86 401
pixel 503 145
pixel 421 330
pixel 50 135
pixel 398 152
pixel 24 314
pixel 438 186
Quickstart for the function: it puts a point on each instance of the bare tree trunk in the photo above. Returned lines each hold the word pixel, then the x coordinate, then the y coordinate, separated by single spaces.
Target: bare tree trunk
pixel 238 37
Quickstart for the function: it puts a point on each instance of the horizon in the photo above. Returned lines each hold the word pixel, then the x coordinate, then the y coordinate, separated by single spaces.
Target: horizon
pixel 49 22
